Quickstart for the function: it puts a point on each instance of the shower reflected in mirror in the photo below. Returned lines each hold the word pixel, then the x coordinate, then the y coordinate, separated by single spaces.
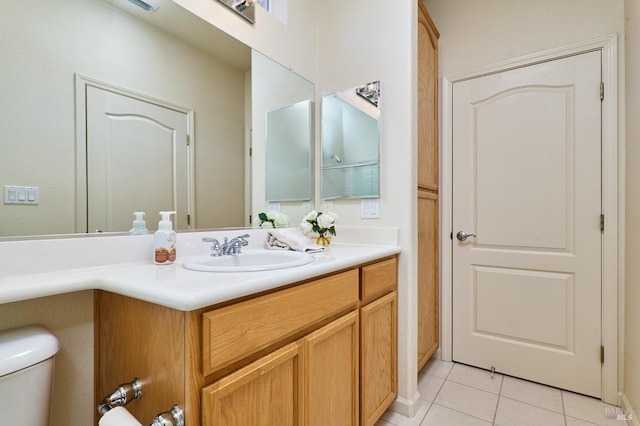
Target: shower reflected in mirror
pixel 351 143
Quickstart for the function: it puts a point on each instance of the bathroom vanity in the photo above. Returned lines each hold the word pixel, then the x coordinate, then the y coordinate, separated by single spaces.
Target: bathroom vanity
pixel 318 351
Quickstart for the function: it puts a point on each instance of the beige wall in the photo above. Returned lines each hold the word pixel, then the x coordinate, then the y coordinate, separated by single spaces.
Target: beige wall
pixel 483 32
pixel 292 45
pixel 70 318
pixel 632 272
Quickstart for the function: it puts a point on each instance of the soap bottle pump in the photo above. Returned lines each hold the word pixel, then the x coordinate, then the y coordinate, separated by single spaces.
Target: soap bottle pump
pixel 164 240
pixel 139 225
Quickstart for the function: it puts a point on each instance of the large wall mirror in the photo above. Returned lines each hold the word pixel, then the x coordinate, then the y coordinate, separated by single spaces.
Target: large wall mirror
pixel 282 134
pixel 351 143
pixel 60 53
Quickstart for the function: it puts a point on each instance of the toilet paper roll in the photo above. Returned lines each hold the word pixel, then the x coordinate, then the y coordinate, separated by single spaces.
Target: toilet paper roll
pixel 118 416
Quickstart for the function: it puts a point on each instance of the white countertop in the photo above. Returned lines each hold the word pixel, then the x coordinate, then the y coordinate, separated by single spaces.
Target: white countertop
pixel 172 285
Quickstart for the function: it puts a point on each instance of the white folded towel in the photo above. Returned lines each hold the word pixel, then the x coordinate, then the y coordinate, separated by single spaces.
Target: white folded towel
pixel 291 239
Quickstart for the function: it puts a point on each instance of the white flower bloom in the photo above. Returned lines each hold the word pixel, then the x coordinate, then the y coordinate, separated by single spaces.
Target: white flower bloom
pixel 311 216
pixel 266 225
pixel 281 220
pixel 325 221
pixel 271 215
pixel 306 227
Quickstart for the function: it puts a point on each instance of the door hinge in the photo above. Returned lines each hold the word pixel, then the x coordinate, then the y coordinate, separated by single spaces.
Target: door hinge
pixel 250 218
pixel 602 90
pixel 601 354
pixel 250 152
pixel 188 220
pixel 188 140
pixel 601 223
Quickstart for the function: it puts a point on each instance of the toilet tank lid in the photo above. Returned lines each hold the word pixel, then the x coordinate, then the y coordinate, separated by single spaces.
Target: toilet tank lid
pixel 26 346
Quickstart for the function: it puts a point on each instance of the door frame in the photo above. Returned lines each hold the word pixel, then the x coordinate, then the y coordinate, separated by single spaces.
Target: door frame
pixel 612 203
pixel 81 84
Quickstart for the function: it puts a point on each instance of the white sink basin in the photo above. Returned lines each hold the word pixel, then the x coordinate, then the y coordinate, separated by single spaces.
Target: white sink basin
pixel 247 261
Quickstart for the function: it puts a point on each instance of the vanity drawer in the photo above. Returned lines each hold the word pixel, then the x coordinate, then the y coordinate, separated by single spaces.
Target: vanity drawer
pixel 234 332
pixel 378 279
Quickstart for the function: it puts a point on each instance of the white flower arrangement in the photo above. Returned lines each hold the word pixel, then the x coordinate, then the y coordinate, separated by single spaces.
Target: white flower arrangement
pixel 273 219
pixel 319 223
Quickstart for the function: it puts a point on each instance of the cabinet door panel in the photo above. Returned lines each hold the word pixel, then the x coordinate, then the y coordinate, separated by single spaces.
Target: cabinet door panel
pixel 378 279
pixel 264 393
pixel 331 363
pixel 427 276
pixel 427 101
pixel 378 343
pixel 234 332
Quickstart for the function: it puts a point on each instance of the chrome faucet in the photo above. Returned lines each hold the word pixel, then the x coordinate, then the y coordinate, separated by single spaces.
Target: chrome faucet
pixel 228 247
pixel 234 246
pixel 216 250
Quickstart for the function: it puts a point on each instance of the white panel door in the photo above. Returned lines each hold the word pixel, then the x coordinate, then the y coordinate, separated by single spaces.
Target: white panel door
pixel 527 183
pixel 136 161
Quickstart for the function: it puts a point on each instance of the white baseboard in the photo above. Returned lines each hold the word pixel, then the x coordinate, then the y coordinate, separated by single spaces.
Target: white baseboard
pixel 406 407
pixel 437 354
pixel 397 418
pixel 627 408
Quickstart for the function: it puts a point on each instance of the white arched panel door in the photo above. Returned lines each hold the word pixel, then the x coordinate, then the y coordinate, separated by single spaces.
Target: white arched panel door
pixel 137 160
pixel 527 186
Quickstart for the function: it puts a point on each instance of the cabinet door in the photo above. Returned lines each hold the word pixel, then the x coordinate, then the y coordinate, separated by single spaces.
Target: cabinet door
pixel 427 101
pixel 264 393
pixel 427 276
pixel 331 367
pixel 378 359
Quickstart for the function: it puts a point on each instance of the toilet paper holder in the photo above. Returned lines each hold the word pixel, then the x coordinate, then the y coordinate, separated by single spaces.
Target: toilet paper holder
pixel 127 392
pixel 121 396
pixel 175 417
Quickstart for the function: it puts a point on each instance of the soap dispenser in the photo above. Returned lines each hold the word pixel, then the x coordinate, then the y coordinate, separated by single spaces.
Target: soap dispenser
pixel 139 225
pixel 164 240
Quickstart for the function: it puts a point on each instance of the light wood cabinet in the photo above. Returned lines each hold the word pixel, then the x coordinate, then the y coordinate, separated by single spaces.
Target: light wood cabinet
pixel 315 353
pixel 378 339
pixel 236 331
pixel 378 360
pixel 428 299
pixel 266 392
pixel 331 359
pixel 427 186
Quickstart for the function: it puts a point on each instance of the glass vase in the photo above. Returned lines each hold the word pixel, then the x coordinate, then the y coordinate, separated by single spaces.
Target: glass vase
pixel 323 240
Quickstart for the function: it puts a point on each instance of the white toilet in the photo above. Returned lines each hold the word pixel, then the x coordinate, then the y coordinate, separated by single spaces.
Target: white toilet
pixel 26 373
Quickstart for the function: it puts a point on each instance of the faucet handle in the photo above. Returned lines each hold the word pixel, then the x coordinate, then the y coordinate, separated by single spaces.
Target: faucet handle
pixel 242 242
pixel 216 250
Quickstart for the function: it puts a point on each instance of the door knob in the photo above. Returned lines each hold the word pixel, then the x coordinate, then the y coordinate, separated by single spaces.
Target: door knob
pixel 462 236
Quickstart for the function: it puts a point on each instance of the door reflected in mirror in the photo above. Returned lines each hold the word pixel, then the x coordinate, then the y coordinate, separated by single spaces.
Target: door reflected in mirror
pixel 351 143
pixel 169 55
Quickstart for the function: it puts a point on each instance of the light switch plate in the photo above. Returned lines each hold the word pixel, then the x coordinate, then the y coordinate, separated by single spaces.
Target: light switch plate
pixel 369 208
pixel 306 208
pixel 274 207
pixel 21 194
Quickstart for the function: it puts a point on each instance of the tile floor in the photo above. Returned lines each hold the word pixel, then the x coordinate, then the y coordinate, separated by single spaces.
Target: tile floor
pixel 459 395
